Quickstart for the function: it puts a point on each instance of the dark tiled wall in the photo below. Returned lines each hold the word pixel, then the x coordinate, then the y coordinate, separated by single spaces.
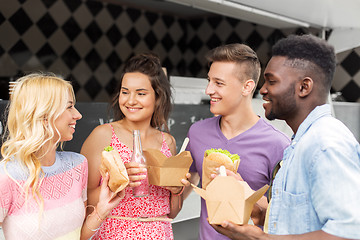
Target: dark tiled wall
pixel 87 42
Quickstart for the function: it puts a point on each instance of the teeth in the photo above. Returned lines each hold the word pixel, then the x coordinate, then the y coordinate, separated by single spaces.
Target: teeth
pixel 72 126
pixel 133 109
pixel 215 99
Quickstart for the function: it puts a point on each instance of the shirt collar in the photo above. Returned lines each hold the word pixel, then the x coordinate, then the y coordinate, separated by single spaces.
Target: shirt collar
pixel 318 112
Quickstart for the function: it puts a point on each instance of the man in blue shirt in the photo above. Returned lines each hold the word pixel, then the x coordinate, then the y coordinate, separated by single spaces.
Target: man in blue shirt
pixel 315 194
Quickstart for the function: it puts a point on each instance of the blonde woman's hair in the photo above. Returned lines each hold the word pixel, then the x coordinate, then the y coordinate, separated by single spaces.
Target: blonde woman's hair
pixel 37 101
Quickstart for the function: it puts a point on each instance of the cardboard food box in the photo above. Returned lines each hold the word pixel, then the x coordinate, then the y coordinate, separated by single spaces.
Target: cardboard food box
pixel 164 171
pixel 229 199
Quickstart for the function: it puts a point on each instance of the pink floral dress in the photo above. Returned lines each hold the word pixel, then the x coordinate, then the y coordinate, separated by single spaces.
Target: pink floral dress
pixel 155 205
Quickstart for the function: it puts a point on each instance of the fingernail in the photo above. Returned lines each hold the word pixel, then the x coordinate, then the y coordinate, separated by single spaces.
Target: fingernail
pixel 225 224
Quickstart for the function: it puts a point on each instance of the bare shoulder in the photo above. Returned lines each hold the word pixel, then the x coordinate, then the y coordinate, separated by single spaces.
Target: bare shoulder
pixel 171 142
pixel 99 138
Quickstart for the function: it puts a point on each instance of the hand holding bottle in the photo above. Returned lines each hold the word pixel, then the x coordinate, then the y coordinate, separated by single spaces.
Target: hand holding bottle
pixel 136 173
pixel 142 189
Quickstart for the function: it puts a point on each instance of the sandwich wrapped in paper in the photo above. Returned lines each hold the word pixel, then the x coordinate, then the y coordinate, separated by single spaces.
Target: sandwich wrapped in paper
pixel 112 163
pixel 167 171
pixel 229 199
pixel 213 159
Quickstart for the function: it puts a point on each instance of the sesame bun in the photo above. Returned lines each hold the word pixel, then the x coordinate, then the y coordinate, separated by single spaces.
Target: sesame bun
pixel 214 160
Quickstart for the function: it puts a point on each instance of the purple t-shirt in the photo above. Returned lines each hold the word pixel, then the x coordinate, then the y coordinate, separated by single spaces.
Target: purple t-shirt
pixel 259 148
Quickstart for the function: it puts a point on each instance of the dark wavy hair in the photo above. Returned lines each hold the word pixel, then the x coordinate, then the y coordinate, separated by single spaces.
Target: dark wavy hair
pixel 240 54
pixel 149 65
pixel 312 49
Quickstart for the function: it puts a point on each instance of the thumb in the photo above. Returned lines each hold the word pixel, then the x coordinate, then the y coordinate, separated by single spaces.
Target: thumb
pixel 105 180
pixel 228 225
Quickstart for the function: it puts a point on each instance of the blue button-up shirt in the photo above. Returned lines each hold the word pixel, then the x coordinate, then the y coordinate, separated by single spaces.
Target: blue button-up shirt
pixel 318 185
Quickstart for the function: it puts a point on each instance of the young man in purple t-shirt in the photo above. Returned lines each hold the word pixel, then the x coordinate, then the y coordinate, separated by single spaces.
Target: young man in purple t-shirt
pixel 233 76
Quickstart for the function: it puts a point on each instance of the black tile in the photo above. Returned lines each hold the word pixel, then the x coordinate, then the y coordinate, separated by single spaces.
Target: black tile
pixel 167 42
pixel 48 3
pixel 232 21
pixel 113 61
pixel 213 41
pixel 46 55
pixel 20 53
pixel 72 4
pixel 92 87
pixel 76 86
pixel 47 25
pixel 181 67
pixel 2 51
pixel 71 29
pixel 114 10
pixel 93 60
pixel 74 83
pixel 195 44
pixel 71 58
pixel 275 36
pixel 351 92
pixel 214 21
pixel 150 40
pixel 351 63
pixel 133 13
pixel 93 31
pixel 168 65
pixel 111 86
pixel 182 43
pixel 233 38
pixel 196 23
pixel 22 1
pixel 114 35
pixel 195 67
pixel 151 17
pixel 2 18
pixel 94 7
pixel 168 20
pixel 254 40
pixel 133 37
pixel 183 24
pixel 20 21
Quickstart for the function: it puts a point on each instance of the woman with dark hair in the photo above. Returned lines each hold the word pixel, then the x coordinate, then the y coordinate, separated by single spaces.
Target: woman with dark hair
pixel 142 102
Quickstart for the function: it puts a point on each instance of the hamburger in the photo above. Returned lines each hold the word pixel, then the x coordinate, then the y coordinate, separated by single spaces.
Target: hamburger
pixel 221 156
pixel 112 163
pixel 213 159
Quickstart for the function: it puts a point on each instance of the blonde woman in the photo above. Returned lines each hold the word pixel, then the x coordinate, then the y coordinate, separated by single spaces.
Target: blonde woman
pixel 43 191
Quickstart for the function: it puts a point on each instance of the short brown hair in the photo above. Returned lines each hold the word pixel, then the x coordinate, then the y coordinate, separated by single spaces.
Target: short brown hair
pixel 240 54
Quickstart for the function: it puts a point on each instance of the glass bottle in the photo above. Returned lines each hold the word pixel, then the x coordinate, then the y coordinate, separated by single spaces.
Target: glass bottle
pixel 137 156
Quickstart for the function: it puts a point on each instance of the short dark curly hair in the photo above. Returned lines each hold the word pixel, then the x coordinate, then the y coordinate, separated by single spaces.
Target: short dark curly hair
pixel 318 52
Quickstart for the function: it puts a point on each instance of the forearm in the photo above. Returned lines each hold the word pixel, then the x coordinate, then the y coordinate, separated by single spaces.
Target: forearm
pixel 194 179
pixel 176 202
pixel 93 196
pixel 91 224
pixel 319 235
pixel 259 211
pixel 251 232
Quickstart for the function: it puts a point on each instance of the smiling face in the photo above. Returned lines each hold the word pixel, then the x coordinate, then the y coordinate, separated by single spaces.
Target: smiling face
pixel 279 89
pixel 224 87
pixel 66 122
pixel 137 97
